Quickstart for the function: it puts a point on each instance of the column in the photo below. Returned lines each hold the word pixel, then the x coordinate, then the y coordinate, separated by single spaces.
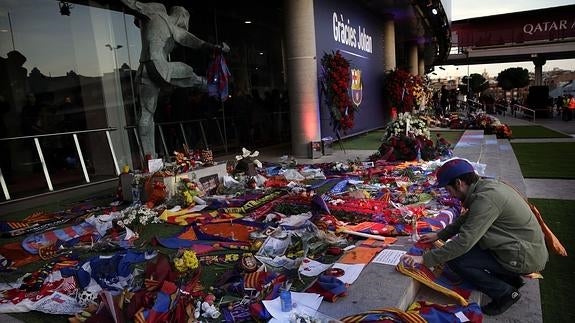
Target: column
pixel 421 66
pixel 302 75
pixel 389 62
pixel 539 61
pixel 412 60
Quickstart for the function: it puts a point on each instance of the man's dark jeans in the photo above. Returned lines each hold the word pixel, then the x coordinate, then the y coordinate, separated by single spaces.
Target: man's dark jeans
pixel 480 268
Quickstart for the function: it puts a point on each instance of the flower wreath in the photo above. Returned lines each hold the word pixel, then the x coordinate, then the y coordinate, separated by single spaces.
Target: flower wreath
pixel 404 89
pixel 335 81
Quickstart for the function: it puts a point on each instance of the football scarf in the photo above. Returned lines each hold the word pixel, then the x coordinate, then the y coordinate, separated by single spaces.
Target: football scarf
pixel 218 76
pixel 421 312
pixel 441 279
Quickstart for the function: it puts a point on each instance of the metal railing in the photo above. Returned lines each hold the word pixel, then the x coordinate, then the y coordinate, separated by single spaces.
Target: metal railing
pixel 39 151
pixel 500 109
pixel 214 133
pixel 523 110
pixel 181 125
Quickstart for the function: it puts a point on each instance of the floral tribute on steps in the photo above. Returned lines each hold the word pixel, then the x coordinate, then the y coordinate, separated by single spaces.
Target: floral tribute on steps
pixel 408 138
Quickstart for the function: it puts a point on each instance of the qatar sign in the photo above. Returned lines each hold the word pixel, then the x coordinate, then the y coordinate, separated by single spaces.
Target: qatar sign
pixel 550 24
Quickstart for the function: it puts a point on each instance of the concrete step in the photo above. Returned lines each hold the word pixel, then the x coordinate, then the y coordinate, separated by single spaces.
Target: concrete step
pixel 378 286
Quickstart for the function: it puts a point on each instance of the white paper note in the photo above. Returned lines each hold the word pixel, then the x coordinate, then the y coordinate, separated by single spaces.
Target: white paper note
pixel 351 272
pixel 461 317
pixel 389 257
pixel 155 165
pixel 310 268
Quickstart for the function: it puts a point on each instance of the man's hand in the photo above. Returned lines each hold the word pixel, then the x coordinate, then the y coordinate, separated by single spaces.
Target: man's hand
pixel 428 237
pixel 411 260
pixel 223 47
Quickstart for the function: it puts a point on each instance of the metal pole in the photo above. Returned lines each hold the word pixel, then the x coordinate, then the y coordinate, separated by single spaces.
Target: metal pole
pixel 44 167
pixel 130 63
pixel 140 149
pixel 163 140
pixel 4 186
pixel 220 131
pixel 81 156
pixel 220 98
pixel 11 32
pixel 204 135
pixel 184 134
pixel 468 80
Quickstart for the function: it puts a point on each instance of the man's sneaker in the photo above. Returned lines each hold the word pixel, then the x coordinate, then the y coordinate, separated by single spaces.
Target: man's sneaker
pixel 502 305
pixel 517 282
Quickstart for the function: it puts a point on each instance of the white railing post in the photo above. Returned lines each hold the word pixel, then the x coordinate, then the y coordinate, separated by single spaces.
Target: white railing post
pixel 44 167
pixel 81 156
pixel 4 186
pixel 111 145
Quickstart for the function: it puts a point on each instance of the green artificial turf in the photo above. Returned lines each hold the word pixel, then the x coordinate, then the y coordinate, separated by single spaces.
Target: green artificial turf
pixel 557 285
pixel 548 160
pixel 372 140
pixel 366 141
pixel 520 132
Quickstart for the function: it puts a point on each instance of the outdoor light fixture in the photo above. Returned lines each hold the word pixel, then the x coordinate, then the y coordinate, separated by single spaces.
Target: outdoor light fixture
pixel 247 22
pixel 64 8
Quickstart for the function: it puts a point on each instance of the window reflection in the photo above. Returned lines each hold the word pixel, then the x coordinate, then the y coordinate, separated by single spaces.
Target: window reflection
pixel 61 78
pixel 67 73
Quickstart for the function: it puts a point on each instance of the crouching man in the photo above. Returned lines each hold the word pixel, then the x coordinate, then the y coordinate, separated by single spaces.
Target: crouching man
pixel 496 241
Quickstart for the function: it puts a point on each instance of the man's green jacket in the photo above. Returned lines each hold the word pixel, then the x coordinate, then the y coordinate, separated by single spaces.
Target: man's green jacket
pixel 498 219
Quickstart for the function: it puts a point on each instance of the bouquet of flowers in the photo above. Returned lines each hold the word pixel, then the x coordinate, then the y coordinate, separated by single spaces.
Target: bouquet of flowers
pixel 246 162
pixel 140 216
pixel 503 131
pixel 335 84
pixel 489 124
pixel 187 193
pixel 187 261
pixel 408 138
pixel 405 124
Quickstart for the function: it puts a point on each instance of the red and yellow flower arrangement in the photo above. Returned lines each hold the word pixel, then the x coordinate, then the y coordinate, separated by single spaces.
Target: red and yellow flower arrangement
pixel 403 89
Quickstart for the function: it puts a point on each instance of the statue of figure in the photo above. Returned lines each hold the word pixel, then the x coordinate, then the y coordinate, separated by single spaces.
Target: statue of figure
pixel 160 32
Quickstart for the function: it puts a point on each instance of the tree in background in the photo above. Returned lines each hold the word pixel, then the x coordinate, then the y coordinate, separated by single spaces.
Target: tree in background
pixel 512 78
pixel 477 84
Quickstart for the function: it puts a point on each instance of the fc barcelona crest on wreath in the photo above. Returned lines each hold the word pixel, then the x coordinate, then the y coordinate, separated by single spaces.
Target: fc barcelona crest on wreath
pixel 356 86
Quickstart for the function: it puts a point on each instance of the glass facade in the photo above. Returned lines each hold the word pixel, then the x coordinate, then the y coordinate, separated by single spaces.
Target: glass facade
pixel 69 90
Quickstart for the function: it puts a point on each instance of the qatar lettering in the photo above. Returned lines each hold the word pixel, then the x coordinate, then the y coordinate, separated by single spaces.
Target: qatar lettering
pixel 547 26
pixel 345 33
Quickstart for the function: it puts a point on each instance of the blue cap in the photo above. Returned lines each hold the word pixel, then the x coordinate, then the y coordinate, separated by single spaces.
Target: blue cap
pixel 451 170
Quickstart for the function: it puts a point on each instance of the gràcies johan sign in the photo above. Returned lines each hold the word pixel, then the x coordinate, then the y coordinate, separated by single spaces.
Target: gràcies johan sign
pixel 345 33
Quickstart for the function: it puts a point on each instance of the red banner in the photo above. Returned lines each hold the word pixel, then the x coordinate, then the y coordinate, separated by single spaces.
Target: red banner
pixel 551 24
